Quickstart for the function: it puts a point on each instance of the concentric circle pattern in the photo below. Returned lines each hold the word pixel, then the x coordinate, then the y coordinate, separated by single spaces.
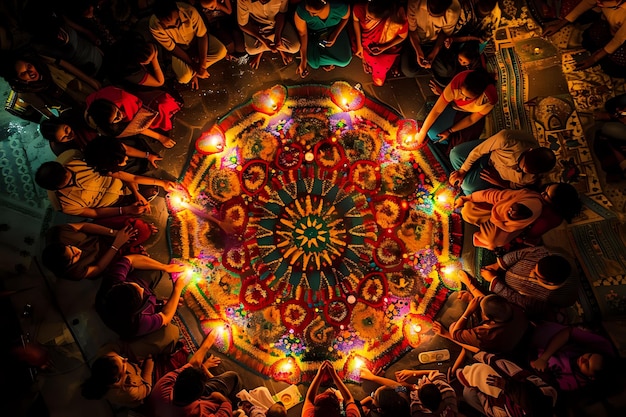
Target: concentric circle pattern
pixel 313 235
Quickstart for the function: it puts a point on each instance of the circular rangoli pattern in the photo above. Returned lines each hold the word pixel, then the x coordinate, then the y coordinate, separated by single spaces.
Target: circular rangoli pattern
pixel 338 242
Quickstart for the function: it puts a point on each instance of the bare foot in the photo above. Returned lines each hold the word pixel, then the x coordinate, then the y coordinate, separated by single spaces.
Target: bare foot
pixel 328 68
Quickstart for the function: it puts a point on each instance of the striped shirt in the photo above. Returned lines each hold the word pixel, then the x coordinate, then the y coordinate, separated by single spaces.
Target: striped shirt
pixel 448 406
pixel 527 291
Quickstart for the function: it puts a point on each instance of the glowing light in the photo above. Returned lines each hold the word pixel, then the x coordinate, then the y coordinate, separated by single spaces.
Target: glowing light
pixel 286 370
pixel 271 100
pixel 358 363
pixel 416 328
pixel 346 97
pixel 449 270
pixel 353 365
pixel 444 198
pixel 211 141
pixel 407 131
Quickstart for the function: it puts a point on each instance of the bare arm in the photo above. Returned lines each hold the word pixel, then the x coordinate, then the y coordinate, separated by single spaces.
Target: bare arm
pixel 147 370
pixel 557 342
pixel 315 384
pixel 79 74
pixel 304 39
pixel 344 21
pixel 121 237
pixel 140 179
pixel 198 358
pixel 345 392
pixel 167 314
pixel 156 79
pixel 434 114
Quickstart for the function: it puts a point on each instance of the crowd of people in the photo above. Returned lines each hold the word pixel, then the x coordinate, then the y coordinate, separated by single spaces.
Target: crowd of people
pixel 106 108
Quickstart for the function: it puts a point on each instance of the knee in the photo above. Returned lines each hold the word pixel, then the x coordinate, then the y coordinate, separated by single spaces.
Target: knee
pixel 456 158
pixel 185 77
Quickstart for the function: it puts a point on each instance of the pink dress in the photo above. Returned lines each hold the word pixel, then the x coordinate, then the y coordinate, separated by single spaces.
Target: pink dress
pixel 129 104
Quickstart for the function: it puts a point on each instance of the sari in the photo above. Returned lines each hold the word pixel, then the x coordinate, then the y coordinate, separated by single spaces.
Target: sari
pixel 378 31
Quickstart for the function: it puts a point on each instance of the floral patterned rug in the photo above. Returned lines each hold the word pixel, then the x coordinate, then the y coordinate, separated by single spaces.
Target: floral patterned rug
pixel 341 242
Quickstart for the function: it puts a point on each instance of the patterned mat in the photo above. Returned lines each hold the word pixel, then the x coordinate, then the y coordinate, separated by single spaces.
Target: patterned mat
pixel 345 241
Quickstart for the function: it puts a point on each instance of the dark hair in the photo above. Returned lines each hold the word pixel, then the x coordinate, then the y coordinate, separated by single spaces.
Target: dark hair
pixel 19 85
pixel 54 257
pixel 470 50
pixel 438 7
pixel 554 268
pixel 101 110
pixel 50 175
pixel 104 373
pixel 565 200
pixel 188 387
pixel 276 410
pixel 127 56
pixel 430 396
pixel 164 8
pixel 484 7
pixel 105 154
pixel 49 128
pixel 496 308
pixel 316 4
pixel 477 81
pixel 539 160
pixel 121 305
pixel 326 405
pixel 391 404
pixel 381 9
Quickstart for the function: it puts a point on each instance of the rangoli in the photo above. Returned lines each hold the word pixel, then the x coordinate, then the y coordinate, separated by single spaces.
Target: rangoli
pixel 340 239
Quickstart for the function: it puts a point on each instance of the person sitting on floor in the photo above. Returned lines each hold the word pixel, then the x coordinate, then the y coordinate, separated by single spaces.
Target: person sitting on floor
pixel 430 23
pixel 561 202
pixel 127 304
pixel 193 391
pixel 501 215
pixel 119 381
pixel 107 156
pixel 78 251
pixel 391 398
pixel 76 189
pixel 604 38
pixel 329 402
pixel 259 403
pixel 179 28
pixel 610 140
pixel 380 29
pixel 508 159
pixel 460 57
pixel 265 28
pixel 48 84
pixel 115 112
pixel 324 42
pixel 498 387
pixel 434 395
pixel 68 131
pixel 536 279
pixel 489 323
pixel 570 357
pixel 459 113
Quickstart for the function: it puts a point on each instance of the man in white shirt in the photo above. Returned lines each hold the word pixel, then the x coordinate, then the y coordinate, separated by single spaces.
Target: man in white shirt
pixel 265 28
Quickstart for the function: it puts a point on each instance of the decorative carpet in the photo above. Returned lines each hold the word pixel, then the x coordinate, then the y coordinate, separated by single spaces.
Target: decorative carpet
pixel 345 242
